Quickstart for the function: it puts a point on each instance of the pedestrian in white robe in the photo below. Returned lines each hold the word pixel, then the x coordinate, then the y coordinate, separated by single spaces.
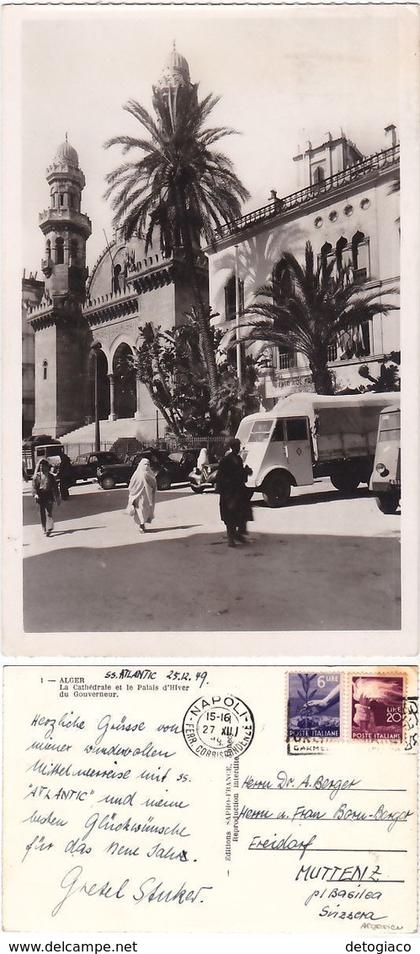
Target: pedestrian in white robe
pixel 141 495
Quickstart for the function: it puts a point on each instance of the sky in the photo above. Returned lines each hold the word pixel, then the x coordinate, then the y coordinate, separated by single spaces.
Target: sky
pixel 285 75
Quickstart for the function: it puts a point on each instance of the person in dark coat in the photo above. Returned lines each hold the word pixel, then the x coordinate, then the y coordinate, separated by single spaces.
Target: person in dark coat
pixel 65 476
pixel 235 501
pixel 46 493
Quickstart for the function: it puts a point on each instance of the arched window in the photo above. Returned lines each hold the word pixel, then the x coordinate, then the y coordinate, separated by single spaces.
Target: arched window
pixel 318 175
pixel 116 279
pixel 283 356
pixel 230 298
pixel 339 248
pixel 357 239
pixel 59 251
pixel 61 198
pixel 360 256
pixel 45 370
pixel 48 249
pixel 325 254
pixel 281 282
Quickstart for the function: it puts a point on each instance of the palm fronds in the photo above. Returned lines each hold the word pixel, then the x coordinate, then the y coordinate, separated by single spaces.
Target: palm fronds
pixel 306 308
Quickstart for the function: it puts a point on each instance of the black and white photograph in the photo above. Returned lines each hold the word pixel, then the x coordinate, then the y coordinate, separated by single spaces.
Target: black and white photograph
pixel 209 247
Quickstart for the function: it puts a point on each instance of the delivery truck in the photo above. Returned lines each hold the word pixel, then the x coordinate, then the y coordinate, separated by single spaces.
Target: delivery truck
pixel 386 475
pixel 32 451
pixel 307 436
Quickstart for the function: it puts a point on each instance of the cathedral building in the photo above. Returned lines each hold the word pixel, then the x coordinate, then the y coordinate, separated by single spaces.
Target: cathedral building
pixel 347 206
pixel 74 313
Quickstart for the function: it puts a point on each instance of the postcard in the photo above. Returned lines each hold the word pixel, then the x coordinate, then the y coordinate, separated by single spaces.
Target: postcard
pixel 236 798
pixel 269 302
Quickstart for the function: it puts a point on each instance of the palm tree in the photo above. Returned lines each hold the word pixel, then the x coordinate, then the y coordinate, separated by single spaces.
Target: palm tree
pixel 179 184
pixel 306 309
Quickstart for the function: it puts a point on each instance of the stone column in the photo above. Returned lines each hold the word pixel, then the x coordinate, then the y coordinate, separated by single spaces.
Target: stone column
pixel 137 416
pixel 112 415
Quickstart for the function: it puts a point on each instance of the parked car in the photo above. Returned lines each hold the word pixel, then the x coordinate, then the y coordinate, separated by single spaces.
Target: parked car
pixel 85 466
pixel 179 464
pixel 204 479
pixel 173 468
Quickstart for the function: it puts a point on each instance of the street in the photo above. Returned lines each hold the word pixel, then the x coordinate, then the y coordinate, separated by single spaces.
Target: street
pixel 323 562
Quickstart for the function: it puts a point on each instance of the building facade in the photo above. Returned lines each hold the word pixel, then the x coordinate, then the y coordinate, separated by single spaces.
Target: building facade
pixel 347 206
pixel 32 292
pixel 76 313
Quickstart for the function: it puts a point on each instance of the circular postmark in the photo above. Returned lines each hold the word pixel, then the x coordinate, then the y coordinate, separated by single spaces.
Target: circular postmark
pixel 218 726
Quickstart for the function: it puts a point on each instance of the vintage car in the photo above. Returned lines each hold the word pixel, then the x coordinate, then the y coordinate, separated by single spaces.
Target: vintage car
pixel 85 466
pixel 173 468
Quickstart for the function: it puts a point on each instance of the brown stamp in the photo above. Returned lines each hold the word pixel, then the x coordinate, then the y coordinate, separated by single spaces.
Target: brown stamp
pixel 377 707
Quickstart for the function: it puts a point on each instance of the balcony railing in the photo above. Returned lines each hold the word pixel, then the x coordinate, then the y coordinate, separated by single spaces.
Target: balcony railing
pixel 64 216
pixel 286 360
pixel 374 163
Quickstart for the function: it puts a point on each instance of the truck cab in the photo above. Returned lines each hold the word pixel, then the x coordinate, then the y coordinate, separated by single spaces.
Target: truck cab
pixel 31 454
pixel 386 474
pixel 279 450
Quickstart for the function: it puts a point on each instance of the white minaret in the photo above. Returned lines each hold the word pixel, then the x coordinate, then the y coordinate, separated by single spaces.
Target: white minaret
pixel 175 77
pixel 65 227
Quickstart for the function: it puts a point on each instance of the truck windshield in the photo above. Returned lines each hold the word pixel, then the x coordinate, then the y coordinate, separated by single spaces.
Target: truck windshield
pixel 244 431
pixel 278 433
pixel 48 450
pixel 260 431
pixel 389 429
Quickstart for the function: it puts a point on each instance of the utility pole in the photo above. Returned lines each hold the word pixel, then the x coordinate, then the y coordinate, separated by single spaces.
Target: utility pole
pixel 237 318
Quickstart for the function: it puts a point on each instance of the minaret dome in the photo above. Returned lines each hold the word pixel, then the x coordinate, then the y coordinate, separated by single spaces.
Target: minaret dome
pixel 176 71
pixel 178 65
pixel 67 154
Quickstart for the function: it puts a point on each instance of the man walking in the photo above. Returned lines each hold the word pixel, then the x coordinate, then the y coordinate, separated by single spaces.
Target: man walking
pixel 235 504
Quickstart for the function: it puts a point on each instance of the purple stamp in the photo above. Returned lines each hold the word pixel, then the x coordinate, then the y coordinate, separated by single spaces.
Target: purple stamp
pixel 314 705
pixel 377 707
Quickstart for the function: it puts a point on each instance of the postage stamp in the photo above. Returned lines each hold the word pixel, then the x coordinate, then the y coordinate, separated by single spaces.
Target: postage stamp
pixel 377 707
pixel 218 726
pixel 313 705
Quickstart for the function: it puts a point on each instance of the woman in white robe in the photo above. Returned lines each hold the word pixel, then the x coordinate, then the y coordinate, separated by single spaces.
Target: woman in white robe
pixel 141 494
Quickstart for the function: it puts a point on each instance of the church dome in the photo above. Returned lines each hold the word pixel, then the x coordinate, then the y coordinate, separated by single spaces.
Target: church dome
pixel 66 153
pixel 177 65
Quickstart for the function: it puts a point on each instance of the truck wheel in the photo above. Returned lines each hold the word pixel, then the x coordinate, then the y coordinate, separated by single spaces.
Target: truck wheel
pixel 276 490
pixel 163 481
pixel 388 503
pixel 347 481
pixel 108 483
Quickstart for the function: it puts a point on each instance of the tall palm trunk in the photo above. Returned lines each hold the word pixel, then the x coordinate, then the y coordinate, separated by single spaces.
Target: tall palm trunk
pixel 202 309
pixel 321 376
pixel 170 419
